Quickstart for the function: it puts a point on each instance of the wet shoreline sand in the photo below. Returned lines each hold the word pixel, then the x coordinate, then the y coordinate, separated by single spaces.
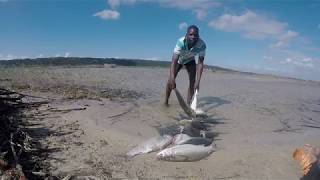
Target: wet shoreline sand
pixel 259 120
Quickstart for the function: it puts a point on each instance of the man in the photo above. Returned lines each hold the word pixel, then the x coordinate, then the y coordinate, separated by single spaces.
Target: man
pixel 184 55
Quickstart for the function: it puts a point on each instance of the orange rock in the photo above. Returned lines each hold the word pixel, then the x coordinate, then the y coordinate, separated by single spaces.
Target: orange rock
pixel 306 157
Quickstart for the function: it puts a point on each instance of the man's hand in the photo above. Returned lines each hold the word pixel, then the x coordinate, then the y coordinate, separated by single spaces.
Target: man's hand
pixel 172 83
pixel 196 86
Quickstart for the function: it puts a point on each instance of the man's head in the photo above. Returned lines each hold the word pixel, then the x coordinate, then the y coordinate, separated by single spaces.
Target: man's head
pixel 192 34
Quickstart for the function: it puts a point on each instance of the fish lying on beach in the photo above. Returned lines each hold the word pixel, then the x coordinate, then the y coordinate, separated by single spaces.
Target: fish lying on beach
pixel 184 122
pixel 195 123
pixel 186 108
pixel 191 131
pixel 200 113
pixel 153 144
pixel 199 125
pixel 194 103
pixel 185 153
pixel 186 139
pixel 192 111
pixel 197 129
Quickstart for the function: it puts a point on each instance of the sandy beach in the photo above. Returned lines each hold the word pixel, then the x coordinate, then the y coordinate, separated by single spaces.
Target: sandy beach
pixel 258 121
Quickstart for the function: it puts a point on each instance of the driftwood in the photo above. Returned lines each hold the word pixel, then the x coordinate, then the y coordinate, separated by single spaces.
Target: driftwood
pixel 15 143
pixel 121 114
pixel 186 108
pixel 67 109
pixel 42 174
pixel 9 92
pixel 3 164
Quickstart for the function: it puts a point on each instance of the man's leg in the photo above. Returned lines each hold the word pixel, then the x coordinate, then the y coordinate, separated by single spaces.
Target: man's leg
pixel 168 88
pixel 191 68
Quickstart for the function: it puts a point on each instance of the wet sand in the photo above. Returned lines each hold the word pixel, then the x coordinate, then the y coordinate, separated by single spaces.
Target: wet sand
pixel 258 121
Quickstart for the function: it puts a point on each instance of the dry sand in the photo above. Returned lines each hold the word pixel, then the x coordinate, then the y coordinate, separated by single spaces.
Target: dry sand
pixel 259 121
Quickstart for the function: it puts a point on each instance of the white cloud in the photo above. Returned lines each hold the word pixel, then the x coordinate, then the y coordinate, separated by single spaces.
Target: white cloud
pixel 291 64
pixel 115 3
pixel 198 7
pixel 307 59
pixel 152 58
pixel 254 26
pixel 200 13
pixel 267 58
pixel 67 54
pixel 190 4
pixel 250 24
pixel 299 64
pixel 8 57
pixel 183 26
pixel 288 60
pixel 304 62
pixel 108 14
pixel 284 39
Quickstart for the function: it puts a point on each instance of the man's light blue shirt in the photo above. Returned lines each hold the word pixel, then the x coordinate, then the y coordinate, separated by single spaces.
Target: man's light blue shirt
pixel 186 55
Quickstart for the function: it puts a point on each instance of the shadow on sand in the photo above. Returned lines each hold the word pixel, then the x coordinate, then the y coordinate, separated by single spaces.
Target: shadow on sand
pixel 202 126
pixel 209 102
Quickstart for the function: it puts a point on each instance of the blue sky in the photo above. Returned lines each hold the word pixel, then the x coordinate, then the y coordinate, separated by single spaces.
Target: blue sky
pixel 268 36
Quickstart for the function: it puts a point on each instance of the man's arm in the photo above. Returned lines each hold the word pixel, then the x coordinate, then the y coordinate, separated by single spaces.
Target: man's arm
pixel 199 72
pixel 173 69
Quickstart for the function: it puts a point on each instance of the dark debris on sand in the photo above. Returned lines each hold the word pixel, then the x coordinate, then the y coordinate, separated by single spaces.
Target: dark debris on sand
pixel 21 155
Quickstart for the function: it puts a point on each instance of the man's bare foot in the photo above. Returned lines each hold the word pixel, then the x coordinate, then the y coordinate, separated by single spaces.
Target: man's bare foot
pixel 166 104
